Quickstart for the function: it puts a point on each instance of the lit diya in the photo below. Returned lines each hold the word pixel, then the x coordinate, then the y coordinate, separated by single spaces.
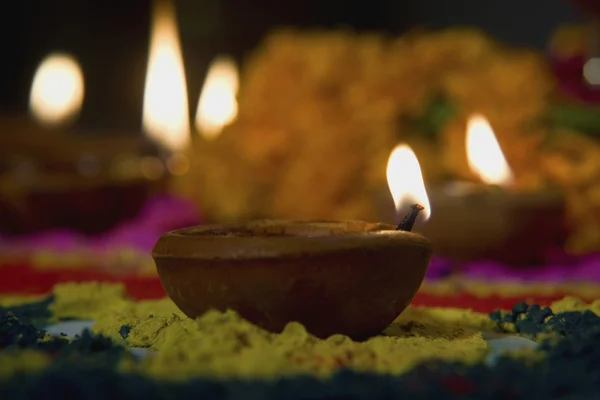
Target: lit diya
pixel 347 277
pixel 496 221
pixel 53 176
pixel 488 219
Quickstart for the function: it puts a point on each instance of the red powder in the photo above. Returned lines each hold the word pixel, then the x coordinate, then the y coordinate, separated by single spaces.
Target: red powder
pixel 25 279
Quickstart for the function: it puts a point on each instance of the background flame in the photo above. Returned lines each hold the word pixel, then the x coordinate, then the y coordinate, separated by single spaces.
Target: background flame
pixel 217 106
pixel 57 90
pixel 484 153
pixel 405 179
pixel 166 113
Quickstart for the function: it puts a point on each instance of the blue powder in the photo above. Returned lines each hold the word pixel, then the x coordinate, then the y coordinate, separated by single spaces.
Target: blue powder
pixel 124 331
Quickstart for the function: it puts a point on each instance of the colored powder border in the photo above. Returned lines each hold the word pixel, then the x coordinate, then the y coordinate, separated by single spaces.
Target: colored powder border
pixel 85 367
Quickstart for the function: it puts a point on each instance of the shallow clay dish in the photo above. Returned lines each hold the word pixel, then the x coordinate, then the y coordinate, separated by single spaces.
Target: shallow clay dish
pixel 346 277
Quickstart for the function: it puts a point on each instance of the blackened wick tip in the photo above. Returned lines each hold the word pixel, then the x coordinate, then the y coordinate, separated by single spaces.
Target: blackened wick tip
pixel 407 223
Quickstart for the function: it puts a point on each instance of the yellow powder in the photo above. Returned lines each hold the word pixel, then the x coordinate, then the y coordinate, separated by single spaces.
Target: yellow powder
pixel 223 345
pixel 483 288
pixel 100 301
pixel 574 304
pixel 443 321
pixel 14 362
pixel 15 300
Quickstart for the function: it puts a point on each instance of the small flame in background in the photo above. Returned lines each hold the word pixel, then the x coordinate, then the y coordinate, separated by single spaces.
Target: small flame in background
pixel 166 114
pixel 405 180
pixel 484 153
pixel 57 90
pixel 217 106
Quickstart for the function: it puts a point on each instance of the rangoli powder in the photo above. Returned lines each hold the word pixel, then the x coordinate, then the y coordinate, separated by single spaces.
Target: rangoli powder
pixel 422 345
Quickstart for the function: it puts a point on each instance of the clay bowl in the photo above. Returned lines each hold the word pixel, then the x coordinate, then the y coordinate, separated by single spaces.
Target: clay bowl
pixel 521 229
pixel 85 204
pixel 44 182
pixel 471 222
pixel 346 277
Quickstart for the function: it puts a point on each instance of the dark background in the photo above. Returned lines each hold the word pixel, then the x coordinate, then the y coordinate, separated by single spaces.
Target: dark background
pixel 110 38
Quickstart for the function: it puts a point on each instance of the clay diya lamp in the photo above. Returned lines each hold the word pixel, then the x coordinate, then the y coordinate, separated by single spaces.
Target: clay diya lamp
pixel 58 179
pixel 347 277
pixel 516 228
pixel 488 217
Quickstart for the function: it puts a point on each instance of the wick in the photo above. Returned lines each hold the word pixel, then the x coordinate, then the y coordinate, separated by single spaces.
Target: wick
pixel 407 223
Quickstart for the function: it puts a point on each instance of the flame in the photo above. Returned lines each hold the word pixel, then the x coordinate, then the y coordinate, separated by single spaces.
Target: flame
pixel 405 179
pixel 57 89
pixel 484 153
pixel 217 106
pixel 166 114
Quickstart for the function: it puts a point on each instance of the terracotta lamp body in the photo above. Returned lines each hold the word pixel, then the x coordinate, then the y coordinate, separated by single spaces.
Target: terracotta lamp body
pixel 346 277
pixel 59 179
